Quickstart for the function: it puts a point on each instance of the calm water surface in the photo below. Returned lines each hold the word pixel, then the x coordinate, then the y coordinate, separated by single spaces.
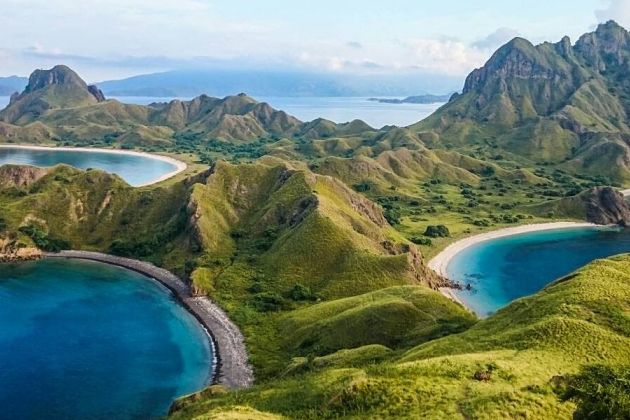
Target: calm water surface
pixel 84 340
pixel 504 269
pixel 134 169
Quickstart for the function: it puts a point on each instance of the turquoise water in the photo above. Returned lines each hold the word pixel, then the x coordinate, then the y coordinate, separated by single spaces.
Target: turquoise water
pixel 88 340
pixel 504 269
pixel 136 170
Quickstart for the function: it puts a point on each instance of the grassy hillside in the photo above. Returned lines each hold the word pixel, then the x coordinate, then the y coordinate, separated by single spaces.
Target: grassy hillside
pixel 559 104
pixel 506 366
pixel 264 240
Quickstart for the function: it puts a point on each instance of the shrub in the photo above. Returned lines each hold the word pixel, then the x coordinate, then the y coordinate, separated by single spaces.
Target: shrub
pixel 302 293
pixel 439 231
pixel 418 240
pixel 268 302
pixel 600 392
pixel 42 240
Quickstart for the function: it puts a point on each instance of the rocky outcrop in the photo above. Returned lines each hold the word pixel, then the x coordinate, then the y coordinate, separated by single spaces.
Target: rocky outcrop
pixel 96 92
pixel 606 206
pixel 20 175
pixel 12 251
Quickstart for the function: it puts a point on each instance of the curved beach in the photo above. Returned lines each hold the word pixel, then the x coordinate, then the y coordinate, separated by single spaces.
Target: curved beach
pixel 179 165
pixel 232 368
pixel 440 262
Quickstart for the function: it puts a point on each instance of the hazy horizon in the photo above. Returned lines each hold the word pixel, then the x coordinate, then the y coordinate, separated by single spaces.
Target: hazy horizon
pixel 121 39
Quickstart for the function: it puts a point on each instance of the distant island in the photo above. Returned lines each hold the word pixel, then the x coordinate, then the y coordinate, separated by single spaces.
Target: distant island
pixel 417 99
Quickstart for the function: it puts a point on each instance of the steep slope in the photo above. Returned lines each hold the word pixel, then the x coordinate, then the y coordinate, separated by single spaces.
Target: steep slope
pixel 554 103
pixel 602 205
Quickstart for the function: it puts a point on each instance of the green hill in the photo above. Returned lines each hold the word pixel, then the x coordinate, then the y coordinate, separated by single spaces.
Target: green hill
pixel 506 366
pixel 552 103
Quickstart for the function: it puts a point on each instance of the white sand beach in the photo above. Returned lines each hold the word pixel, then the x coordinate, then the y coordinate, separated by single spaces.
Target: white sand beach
pixel 179 165
pixel 440 262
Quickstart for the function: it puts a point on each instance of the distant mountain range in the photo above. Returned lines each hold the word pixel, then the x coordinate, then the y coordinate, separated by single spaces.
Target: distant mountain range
pixel 192 83
pixel 270 83
pixel 12 84
pixel 418 99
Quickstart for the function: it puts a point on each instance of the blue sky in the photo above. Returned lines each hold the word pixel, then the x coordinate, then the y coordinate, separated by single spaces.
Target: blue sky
pixel 115 38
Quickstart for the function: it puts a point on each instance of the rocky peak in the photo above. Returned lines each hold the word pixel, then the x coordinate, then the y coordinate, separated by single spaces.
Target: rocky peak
pixel 516 59
pixel 608 46
pixel 60 75
pixel 564 47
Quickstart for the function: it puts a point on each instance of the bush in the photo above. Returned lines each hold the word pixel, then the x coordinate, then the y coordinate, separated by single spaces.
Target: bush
pixel 301 293
pixel 600 392
pixel 42 240
pixel 362 187
pixel 418 240
pixel 268 302
pixel 439 231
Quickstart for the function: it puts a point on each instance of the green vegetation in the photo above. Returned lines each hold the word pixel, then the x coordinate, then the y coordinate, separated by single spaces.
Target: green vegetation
pixel 600 391
pixel 329 283
pixel 507 366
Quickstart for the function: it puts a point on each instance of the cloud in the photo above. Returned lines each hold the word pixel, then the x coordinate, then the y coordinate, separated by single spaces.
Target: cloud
pixel 618 10
pixel 445 55
pixel 496 39
pixel 354 45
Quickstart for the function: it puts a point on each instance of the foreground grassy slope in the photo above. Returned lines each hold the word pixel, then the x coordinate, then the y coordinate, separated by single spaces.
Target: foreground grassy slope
pixel 517 355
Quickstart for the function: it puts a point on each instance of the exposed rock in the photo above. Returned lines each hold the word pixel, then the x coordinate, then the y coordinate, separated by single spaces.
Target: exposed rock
pixel 20 176
pixel 96 92
pixel 11 251
pixel 605 206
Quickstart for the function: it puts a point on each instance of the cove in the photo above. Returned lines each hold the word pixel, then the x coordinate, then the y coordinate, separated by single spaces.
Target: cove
pixel 137 169
pixel 504 269
pixel 82 339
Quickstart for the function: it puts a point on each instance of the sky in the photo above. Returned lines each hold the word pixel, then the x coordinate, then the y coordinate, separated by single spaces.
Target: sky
pixel 110 39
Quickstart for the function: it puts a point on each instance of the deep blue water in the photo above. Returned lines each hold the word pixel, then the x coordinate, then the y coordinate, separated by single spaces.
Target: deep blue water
pixel 136 170
pixel 83 340
pixel 504 269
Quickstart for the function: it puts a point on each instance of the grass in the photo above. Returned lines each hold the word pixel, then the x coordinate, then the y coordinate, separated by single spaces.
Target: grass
pixel 523 349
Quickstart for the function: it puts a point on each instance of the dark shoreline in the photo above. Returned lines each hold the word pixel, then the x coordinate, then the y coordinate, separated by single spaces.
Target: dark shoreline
pixel 231 368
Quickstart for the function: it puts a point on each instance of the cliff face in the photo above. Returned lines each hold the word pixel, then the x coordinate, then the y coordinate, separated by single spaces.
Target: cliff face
pixel 20 176
pixel 557 103
pixel 606 206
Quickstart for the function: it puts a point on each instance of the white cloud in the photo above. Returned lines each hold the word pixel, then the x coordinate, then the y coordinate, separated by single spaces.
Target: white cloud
pixel 448 56
pixel 496 39
pixel 618 10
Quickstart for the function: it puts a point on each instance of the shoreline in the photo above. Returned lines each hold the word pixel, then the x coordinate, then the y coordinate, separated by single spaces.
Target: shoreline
pixel 230 365
pixel 440 262
pixel 179 165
